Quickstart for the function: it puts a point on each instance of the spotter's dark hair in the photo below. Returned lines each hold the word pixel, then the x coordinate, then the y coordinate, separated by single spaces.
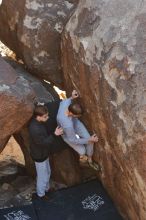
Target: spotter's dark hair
pixel 40 110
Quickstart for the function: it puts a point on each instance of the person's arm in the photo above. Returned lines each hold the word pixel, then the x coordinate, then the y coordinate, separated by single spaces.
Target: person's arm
pixel 71 136
pixel 66 102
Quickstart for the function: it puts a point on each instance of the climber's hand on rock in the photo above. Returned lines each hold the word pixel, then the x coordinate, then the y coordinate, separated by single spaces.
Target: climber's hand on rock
pixel 93 138
pixel 74 94
pixel 58 131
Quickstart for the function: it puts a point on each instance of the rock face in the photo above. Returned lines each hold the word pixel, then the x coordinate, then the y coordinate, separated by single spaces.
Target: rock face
pixel 32 29
pixel 104 50
pixel 65 166
pixel 3 143
pixel 16 101
pixel 18 91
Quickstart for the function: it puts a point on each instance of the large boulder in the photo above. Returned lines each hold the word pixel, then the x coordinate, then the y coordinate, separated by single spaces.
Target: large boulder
pixel 104 52
pixel 65 166
pixel 16 101
pixel 32 29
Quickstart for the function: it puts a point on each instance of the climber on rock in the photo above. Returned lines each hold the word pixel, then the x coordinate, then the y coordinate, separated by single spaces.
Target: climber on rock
pixel 75 133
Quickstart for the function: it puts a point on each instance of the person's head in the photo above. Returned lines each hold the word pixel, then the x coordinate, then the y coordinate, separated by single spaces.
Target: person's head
pixel 41 113
pixel 75 110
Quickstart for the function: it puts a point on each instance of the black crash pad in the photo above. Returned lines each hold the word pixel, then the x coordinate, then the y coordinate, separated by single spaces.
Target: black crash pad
pixel 87 201
pixel 18 213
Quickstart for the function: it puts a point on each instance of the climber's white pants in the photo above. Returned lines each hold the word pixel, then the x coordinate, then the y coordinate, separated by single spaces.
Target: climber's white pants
pixel 82 132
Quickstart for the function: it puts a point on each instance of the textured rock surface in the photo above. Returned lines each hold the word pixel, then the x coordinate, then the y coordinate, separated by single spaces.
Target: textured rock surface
pixel 3 143
pixel 104 58
pixel 32 29
pixel 65 167
pixel 16 101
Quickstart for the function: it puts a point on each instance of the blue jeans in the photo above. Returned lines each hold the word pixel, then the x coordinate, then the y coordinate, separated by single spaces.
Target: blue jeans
pixel 43 177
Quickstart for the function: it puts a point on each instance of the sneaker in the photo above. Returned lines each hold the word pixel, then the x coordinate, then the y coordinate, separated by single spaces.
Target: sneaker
pixel 44 198
pixel 94 165
pixel 52 189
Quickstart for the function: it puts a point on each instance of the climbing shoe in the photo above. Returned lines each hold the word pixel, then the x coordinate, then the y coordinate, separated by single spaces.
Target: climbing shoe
pixel 83 158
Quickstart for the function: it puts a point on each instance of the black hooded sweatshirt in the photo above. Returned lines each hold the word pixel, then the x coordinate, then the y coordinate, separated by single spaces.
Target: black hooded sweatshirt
pixel 41 144
pixel 43 141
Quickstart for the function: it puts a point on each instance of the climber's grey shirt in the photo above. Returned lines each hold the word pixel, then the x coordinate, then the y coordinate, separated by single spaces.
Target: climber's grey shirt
pixel 68 124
